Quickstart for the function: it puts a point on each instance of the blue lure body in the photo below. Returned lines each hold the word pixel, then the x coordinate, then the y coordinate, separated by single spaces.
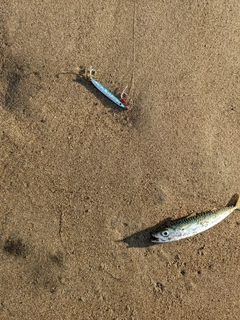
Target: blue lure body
pixel 108 93
pixel 121 103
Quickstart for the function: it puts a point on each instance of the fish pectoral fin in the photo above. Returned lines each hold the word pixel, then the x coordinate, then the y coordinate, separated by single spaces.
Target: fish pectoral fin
pixel 187 225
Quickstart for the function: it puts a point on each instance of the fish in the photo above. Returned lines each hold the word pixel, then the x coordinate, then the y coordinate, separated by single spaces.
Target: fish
pixel 188 227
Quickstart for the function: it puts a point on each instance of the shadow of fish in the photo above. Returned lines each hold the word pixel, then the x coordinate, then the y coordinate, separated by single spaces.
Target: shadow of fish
pixel 188 227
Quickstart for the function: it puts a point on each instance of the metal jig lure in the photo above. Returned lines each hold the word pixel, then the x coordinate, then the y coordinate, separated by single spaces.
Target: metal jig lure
pixel 122 102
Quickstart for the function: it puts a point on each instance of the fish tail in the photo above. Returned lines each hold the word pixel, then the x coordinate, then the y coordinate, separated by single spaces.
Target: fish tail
pixel 237 205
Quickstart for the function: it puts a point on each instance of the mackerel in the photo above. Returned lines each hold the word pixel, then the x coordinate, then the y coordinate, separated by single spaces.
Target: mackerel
pixel 188 227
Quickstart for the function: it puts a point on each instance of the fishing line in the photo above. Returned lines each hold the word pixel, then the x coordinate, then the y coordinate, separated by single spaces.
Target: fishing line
pixel 134 51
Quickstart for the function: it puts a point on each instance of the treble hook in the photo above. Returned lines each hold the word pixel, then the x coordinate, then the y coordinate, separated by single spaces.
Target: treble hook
pixel 92 72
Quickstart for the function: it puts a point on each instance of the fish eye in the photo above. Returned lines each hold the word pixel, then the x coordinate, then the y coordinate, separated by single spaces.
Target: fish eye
pixel 165 233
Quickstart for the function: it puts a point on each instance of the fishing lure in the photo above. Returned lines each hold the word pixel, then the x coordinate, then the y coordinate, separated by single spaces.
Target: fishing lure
pixel 122 102
pixel 191 226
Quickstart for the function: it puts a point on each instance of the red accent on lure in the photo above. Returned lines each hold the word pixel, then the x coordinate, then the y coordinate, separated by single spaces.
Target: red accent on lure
pixel 125 102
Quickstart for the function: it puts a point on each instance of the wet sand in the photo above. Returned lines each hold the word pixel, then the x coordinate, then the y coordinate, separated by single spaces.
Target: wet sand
pixel 83 183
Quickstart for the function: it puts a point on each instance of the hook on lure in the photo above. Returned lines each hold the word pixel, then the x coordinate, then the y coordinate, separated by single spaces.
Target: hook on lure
pixel 122 102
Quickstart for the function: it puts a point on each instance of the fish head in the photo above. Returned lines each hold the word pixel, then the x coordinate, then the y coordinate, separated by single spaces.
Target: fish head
pixel 166 234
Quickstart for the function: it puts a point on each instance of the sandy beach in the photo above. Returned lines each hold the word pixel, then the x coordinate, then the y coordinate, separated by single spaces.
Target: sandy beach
pixel 83 182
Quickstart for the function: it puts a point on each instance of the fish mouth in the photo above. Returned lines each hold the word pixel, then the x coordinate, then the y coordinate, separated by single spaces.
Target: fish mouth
pixel 155 239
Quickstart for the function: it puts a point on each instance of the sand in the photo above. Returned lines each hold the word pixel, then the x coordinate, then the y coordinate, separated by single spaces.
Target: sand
pixel 83 183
